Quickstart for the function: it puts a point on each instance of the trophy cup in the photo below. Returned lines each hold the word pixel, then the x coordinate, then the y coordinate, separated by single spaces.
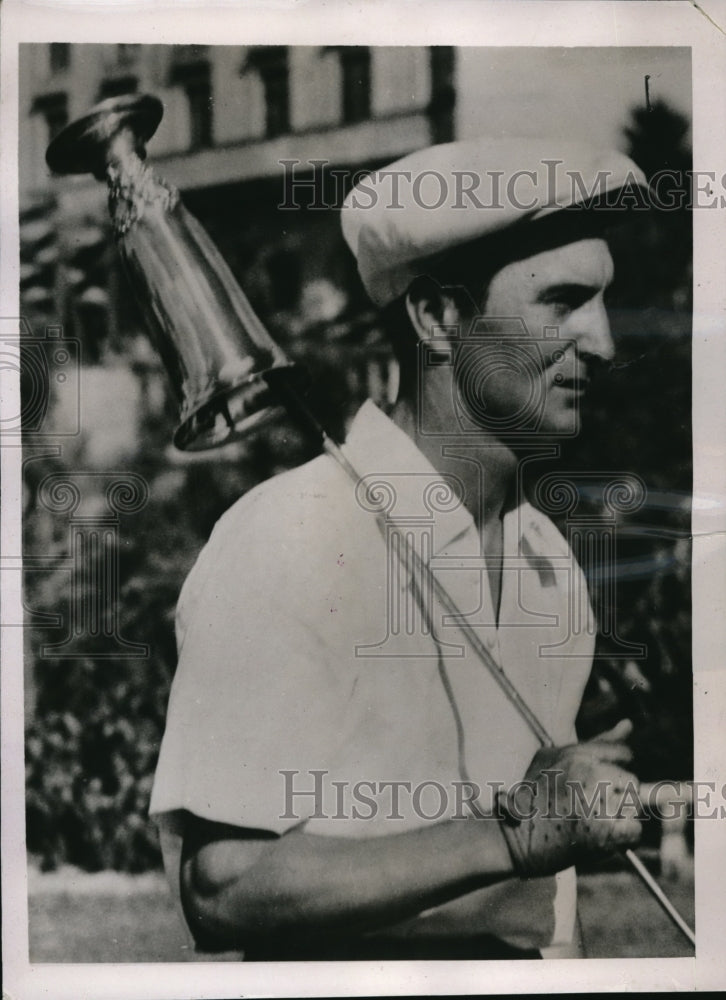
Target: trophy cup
pixel 225 369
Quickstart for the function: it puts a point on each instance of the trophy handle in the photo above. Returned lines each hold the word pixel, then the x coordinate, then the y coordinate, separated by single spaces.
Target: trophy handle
pixel 226 370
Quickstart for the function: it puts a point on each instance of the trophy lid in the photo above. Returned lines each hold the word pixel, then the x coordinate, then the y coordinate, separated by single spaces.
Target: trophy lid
pixel 82 146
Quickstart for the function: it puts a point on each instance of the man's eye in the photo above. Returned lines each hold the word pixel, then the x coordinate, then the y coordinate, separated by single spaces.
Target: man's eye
pixel 566 300
pixel 559 307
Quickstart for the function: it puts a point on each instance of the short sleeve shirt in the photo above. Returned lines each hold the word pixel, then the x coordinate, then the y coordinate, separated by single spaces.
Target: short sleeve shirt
pixel 319 681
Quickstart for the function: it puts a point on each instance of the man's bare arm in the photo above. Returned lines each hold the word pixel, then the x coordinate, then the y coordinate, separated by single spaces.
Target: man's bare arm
pixel 241 885
pixel 238 887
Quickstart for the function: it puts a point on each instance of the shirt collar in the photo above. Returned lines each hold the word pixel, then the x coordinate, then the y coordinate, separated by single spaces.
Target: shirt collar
pixel 395 475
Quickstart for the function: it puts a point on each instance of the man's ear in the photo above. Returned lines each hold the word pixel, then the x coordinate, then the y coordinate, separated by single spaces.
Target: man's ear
pixel 430 305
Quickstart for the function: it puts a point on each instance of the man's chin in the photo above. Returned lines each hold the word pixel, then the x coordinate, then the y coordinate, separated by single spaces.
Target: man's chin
pixel 565 425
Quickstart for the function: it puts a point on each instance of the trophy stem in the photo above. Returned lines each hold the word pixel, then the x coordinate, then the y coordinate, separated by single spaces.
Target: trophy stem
pixel 131 186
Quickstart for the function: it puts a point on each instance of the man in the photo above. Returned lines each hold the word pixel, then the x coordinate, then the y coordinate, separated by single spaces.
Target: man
pixel 334 774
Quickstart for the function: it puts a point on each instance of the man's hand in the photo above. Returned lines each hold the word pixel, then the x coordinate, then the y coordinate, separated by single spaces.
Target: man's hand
pixel 575 802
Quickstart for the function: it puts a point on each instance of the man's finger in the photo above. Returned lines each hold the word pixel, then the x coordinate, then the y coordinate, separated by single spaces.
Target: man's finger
pixel 623 796
pixel 620 732
pixel 609 752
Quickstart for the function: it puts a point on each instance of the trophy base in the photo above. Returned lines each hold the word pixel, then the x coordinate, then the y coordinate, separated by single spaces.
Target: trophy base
pixel 229 414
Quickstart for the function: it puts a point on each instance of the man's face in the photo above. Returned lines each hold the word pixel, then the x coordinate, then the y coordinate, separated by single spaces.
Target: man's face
pixel 560 289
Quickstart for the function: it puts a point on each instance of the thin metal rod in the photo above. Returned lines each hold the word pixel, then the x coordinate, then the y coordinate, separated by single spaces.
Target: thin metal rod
pixel 483 653
pixel 660 896
pixel 511 692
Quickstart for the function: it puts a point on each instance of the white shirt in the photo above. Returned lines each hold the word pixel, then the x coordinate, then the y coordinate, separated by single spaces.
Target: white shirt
pixel 303 649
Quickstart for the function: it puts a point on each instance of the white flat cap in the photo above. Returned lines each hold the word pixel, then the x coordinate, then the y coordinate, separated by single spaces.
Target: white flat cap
pixel 441 197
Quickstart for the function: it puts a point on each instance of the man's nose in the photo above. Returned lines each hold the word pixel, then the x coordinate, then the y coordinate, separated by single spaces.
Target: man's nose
pixel 591 331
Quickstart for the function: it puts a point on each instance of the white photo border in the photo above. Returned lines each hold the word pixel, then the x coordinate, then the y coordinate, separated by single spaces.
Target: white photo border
pixel 420 22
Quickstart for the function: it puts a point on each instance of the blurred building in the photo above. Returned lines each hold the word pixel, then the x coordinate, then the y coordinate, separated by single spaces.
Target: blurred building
pixel 233 113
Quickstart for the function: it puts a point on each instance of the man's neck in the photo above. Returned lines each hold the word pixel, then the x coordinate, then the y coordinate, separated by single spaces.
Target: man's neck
pixel 484 465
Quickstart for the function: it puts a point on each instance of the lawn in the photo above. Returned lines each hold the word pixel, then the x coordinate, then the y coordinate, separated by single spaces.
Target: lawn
pixel 108 917
pixel 75 917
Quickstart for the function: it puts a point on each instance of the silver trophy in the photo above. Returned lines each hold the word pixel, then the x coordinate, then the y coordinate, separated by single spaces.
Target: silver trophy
pixel 225 369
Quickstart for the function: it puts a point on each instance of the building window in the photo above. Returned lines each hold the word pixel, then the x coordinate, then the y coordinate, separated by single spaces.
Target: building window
pixel 443 93
pixel 60 56
pixel 54 108
pixel 189 54
pixel 194 75
pixel 116 86
pixel 200 113
pixel 355 63
pixel 271 63
pixel 126 55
